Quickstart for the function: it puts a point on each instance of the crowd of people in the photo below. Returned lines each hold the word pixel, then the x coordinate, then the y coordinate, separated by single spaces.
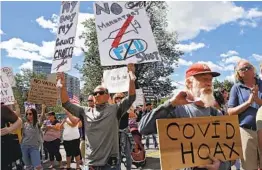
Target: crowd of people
pixel 97 136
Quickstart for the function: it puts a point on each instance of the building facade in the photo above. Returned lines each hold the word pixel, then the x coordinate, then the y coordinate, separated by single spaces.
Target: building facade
pixel 41 67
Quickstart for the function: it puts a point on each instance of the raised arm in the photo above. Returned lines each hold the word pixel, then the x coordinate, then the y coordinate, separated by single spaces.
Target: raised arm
pixel 127 102
pixel 72 108
pixel 17 109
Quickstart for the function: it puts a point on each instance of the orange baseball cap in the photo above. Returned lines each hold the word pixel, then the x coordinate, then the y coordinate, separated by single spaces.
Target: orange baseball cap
pixel 199 68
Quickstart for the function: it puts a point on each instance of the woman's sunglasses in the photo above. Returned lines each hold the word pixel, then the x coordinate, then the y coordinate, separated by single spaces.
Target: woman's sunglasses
pixel 244 69
pixel 118 98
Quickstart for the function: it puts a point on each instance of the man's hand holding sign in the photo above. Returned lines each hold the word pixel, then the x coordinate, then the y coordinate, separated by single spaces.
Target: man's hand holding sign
pixel 196 134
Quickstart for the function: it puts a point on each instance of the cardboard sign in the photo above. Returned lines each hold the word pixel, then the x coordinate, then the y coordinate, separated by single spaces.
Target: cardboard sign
pixel 124 33
pixel 7 96
pixel 116 80
pixel 188 142
pixel 9 72
pixel 139 98
pixel 29 105
pixel 42 92
pixel 65 41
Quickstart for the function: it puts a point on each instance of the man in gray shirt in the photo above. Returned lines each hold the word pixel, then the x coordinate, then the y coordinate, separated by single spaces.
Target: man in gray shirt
pixel 101 124
pixel 195 101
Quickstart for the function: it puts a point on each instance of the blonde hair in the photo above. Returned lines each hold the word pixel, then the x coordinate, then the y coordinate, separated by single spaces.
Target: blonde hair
pixel 117 95
pixel 236 74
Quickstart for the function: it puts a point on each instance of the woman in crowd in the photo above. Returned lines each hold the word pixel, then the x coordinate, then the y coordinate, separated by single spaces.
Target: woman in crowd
pixel 244 101
pixel 9 142
pixel 31 140
pixel 51 138
pixel 71 141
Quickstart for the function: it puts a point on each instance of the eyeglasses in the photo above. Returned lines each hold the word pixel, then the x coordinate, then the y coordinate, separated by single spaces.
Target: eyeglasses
pixel 244 69
pixel 118 98
pixel 30 114
pixel 90 100
pixel 99 92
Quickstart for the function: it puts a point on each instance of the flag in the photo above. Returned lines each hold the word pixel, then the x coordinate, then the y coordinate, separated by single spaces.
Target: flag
pixel 73 98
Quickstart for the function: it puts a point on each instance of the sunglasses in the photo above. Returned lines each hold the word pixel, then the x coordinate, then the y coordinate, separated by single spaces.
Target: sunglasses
pixel 30 114
pixel 90 100
pixel 99 92
pixel 244 69
pixel 118 98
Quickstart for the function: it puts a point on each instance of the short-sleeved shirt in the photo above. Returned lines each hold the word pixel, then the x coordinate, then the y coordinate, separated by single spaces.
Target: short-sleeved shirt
pixel 239 94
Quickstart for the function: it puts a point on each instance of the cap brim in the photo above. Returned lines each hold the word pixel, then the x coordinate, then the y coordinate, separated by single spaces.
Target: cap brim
pixel 214 74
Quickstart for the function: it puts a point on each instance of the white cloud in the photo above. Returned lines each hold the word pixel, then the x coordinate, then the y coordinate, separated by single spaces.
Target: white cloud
pixel 257 57
pixel 230 77
pixel 212 66
pixel 17 48
pixel 182 62
pixel 188 48
pixel 51 25
pixel 231 59
pixel 248 23
pixel 229 53
pixel 1 32
pixel 27 65
pixel 189 18
pixel 48 24
pixel 253 13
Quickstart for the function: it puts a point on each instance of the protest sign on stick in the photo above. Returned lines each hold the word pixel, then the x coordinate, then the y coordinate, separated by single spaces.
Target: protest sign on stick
pixel 65 41
pixel 124 33
pixel 139 98
pixel 188 142
pixel 9 72
pixel 7 96
pixel 42 92
pixel 116 80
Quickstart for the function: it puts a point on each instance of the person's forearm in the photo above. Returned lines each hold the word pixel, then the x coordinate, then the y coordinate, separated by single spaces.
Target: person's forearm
pixel 16 125
pixel 64 95
pixel 17 110
pixel 238 109
pixel 259 102
pixel 73 119
pixel 132 88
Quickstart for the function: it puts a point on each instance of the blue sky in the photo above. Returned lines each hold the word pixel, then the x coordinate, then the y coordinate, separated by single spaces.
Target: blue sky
pixel 216 33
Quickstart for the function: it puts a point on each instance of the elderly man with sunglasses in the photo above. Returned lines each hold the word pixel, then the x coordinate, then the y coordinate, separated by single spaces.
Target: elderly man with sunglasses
pixel 101 124
pixel 244 101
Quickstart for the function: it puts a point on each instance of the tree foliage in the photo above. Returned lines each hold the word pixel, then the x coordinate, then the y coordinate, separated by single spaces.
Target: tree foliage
pixel 154 74
pixel 226 84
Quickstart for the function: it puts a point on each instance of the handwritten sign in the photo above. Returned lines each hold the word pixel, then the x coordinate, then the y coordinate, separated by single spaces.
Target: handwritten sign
pixel 65 41
pixel 29 105
pixel 9 72
pixel 42 92
pixel 124 33
pixel 188 142
pixel 116 80
pixel 139 98
pixel 7 96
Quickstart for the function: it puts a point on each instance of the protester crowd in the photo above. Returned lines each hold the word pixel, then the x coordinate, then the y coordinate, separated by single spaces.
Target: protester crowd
pixel 109 130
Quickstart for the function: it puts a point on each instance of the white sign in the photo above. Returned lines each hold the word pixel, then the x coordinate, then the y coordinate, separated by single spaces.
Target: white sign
pixel 29 105
pixel 65 41
pixel 7 96
pixel 124 33
pixel 9 72
pixel 139 98
pixel 116 80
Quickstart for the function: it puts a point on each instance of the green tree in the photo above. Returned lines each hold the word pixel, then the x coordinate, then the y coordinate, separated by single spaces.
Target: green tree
pixel 23 84
pixel 154 74
pixel 224 84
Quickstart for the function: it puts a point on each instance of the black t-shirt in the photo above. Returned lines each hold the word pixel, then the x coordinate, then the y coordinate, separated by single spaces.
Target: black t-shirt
pixel 7 116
